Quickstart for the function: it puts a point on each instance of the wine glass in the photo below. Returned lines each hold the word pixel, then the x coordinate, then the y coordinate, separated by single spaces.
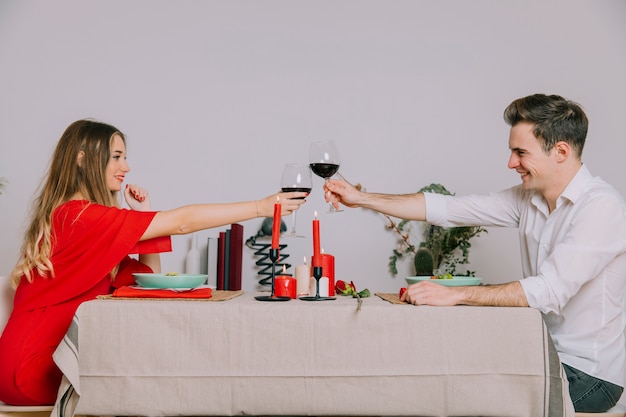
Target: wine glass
pixel 296 177
pixel 324 161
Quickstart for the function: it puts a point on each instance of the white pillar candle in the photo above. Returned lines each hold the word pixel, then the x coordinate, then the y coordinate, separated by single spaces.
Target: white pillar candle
pixel 303 273
pixel 323 287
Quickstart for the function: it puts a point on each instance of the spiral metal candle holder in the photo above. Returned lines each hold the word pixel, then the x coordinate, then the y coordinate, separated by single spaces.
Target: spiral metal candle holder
pixel 264 261
pixel 273 255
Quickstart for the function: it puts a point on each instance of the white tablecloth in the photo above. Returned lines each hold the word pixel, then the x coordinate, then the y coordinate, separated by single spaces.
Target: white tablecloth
pixel 246 357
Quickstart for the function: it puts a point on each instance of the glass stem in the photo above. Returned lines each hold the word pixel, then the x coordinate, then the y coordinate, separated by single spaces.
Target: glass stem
pixel 331 209
pixel 293 225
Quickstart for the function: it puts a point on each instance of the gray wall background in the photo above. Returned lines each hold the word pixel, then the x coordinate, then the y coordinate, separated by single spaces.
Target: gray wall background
pixel 216 96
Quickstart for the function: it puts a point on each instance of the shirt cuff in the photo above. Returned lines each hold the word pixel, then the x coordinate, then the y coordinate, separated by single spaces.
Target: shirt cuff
pixel 533 287
pixel 436 209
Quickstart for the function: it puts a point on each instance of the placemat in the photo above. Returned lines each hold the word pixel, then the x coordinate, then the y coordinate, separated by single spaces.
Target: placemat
pixel 392 298
pixel 217 295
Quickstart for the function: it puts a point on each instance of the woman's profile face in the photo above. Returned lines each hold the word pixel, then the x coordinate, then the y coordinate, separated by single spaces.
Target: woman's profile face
pixel 116 168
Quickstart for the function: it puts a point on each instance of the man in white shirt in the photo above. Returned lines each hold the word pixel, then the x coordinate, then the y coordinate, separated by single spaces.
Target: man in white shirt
pixel 572 230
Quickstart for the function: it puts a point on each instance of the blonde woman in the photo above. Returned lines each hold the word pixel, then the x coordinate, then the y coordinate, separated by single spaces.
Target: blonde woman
pixel 77 245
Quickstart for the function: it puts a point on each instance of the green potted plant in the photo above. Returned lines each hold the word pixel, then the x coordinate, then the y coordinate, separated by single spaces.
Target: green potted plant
pixel 441 249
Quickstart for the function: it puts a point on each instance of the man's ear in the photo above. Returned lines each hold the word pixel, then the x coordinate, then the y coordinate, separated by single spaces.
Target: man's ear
pixel 563 151
pixel 79 158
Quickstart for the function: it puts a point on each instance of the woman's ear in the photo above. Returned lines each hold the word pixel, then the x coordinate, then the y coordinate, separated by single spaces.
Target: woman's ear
pixel 79 158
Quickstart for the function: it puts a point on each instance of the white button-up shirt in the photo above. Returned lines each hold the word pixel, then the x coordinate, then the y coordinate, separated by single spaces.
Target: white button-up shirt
pixel 573 260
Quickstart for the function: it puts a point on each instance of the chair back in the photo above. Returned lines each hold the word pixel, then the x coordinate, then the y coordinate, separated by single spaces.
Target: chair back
pixel 25 410
pixel 6 300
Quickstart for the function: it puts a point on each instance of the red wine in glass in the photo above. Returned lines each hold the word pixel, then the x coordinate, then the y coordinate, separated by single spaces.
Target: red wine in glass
pixel 292 189
pixel 324 170
pixel 324 161
pixel 296 177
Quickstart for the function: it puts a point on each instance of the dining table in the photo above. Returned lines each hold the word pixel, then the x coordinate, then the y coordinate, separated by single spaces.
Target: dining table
pixel 232 355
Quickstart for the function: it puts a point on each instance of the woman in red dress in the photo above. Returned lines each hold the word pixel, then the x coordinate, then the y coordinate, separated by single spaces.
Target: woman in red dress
pixel 77 247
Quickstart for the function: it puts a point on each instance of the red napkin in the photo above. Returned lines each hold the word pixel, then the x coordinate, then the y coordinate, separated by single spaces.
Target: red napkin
pixel 134 292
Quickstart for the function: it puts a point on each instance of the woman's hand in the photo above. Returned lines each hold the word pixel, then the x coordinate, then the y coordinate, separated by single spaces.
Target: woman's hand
pixel 289 202
pixel 137 197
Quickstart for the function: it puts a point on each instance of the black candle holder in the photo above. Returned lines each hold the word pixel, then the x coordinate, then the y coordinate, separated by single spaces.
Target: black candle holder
pixel 272 296
pixel 317 274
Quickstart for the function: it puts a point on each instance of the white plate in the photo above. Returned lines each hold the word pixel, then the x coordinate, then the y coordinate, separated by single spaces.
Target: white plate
pixel 453 282
pixel 180 281
pixel 199 287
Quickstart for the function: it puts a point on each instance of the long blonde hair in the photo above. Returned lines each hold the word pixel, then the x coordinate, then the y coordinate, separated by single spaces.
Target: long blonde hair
pixel 66 177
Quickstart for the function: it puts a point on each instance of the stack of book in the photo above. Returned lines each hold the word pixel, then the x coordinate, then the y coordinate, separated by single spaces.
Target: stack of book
pixel 224 259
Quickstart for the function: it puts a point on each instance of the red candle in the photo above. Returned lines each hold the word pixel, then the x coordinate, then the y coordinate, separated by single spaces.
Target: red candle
pixel 285 285
pixel 328 270
pixel 315 261
pixel 276 224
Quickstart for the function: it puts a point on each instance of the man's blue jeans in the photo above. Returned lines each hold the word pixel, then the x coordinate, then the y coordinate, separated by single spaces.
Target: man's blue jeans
pixel 589 394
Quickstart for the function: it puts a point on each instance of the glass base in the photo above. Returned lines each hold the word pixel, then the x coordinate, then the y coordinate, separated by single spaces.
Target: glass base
pixel 271 298
pixel 293 235
pixel 314 298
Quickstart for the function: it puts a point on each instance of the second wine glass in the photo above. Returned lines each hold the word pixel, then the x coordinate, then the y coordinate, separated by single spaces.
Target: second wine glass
pixel 296 177
pixel 324 161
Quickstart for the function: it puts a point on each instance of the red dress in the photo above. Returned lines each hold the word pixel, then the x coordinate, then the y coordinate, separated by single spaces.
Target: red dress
pixel 89 240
